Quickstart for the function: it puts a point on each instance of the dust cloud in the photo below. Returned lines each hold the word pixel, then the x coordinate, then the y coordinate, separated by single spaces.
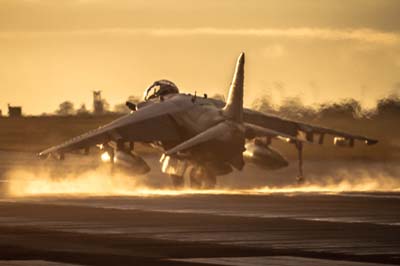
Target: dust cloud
pixel 102 182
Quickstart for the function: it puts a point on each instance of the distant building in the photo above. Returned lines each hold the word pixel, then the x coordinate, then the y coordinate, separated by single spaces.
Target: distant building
pixel 14 111
pixel 98 104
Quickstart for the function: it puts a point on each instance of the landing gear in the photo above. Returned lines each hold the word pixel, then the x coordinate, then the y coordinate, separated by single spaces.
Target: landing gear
pixel 198 178
pixel 177 181
pixel 189 173
pixel 201 178
pixel 300 178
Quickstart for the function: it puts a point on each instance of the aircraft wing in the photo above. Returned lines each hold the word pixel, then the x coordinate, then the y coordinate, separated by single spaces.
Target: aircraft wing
pixel 150 123
pixel 258 123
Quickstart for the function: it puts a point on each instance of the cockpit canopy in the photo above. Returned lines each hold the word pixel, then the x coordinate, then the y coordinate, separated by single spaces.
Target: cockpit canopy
pixel 160 88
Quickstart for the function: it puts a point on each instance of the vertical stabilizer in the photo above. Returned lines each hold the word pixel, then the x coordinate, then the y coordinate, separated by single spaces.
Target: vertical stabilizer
pixel 234 104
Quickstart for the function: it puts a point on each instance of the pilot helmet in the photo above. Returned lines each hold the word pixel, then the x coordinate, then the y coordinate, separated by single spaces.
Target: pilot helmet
pixel 164 87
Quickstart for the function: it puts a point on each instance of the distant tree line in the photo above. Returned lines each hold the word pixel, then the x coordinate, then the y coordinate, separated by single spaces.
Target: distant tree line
pixel 67 108
pixel 291 107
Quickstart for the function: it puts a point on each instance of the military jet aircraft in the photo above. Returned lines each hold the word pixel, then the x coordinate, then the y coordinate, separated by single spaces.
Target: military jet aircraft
pixel 201 138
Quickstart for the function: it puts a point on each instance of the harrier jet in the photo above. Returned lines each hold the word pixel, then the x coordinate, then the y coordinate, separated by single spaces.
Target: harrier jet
pixel 201 138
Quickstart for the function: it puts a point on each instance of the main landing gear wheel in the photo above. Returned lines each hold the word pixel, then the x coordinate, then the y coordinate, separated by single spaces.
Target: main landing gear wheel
pixel 300 180
pixel 202 179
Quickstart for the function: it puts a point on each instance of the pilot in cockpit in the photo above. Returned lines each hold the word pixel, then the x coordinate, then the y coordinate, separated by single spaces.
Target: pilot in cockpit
pixel 160 88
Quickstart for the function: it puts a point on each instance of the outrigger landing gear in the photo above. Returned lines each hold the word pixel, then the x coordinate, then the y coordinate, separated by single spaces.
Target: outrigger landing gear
pixel 300 177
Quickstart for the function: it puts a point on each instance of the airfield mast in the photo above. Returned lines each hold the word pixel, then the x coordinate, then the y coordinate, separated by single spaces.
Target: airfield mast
pixel 98 104
pixel 14 111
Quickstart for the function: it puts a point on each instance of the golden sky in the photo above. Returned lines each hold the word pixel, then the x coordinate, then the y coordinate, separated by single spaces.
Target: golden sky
pixel 56 50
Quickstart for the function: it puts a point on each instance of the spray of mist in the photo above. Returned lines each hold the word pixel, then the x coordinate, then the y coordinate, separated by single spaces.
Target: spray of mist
pixel 101 182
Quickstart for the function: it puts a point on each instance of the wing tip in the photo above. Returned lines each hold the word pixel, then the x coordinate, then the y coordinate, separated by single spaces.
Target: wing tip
pixel 371 141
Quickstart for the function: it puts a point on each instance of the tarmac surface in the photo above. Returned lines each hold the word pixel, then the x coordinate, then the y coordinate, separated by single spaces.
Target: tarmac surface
pixel 225 227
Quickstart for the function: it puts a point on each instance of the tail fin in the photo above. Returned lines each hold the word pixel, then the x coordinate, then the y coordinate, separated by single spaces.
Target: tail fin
pixel 234 105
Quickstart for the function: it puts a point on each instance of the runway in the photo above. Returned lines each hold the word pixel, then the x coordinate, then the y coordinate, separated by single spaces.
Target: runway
pixel 52 224
pixel 150 230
